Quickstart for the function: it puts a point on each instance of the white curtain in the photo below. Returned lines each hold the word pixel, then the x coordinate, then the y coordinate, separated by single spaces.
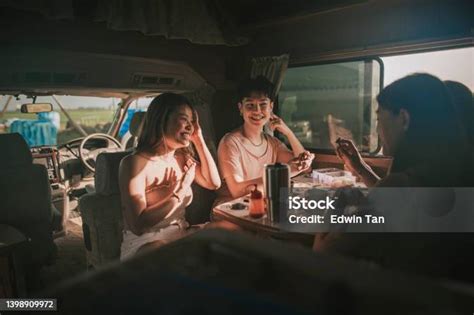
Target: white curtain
pixel 199 21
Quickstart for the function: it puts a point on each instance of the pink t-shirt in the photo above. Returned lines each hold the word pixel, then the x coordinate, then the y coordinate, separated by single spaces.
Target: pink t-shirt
pixel 235 160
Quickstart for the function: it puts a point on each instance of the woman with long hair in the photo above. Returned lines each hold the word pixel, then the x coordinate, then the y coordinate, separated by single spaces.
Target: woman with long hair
pixel 420 128
pixel 463 101
pixel 155 180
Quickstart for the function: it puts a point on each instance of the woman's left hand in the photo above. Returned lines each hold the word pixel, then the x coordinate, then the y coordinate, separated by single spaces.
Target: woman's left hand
pixel 276 123
pixel 197 134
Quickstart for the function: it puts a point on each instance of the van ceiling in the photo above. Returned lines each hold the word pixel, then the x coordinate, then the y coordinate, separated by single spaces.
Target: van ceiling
pixel 228 15
pixel 308 30
pixel 250 13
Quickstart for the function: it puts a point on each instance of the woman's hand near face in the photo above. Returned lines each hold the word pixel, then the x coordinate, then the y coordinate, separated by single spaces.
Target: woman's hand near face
pixel 348 153
pixel 354 162
pixel 206 173
pixel 197 134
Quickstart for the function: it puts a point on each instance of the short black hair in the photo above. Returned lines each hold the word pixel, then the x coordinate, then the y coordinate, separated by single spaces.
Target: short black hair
pixel 260 84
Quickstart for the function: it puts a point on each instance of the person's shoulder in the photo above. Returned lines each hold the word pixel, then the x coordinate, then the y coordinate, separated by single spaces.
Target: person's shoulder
pixel 271 138
pixel 231 137
pixel 274 141
pixel 133 161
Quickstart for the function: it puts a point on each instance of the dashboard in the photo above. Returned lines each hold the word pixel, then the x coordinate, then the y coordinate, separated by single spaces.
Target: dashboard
pixel 63 162
pixel 50 158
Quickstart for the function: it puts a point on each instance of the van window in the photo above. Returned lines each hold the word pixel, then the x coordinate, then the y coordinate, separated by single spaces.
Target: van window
pixel 450 64
pixel 93 114
pixel 321 103
pixel 139 105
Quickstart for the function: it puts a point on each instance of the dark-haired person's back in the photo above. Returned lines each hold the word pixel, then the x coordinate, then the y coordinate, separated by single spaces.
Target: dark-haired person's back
pixel 420 128
pixel 464 105
pixel 433 150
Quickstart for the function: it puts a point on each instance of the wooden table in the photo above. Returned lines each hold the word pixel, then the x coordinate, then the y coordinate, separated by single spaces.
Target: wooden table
pixel 263 226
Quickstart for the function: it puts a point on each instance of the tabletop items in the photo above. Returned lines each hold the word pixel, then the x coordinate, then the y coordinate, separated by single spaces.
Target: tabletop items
pixel 277 187
pixel 276 183
pixel 257 204
pixel 333 177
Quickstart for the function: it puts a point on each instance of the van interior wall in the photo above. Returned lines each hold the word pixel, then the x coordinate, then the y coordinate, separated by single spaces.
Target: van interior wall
pixel 356 28
pixel 29 30
pixel 361 29
pixel 220 66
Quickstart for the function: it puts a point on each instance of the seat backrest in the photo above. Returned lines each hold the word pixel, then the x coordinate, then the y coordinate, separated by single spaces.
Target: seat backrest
pixel 106 173
pixel 102 219
pixel 25 196
pixel 136 125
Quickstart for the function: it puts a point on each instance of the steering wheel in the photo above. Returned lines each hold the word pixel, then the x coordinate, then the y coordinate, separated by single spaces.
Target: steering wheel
pixel 87 157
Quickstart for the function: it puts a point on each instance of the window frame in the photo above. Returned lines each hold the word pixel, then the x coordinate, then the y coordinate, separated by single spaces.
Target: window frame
pixel 337 61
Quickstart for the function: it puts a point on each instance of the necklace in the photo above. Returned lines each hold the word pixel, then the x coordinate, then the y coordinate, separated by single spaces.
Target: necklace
pixel 255 145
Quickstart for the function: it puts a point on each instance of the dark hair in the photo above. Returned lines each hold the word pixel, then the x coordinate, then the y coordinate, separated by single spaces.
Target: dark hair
pixel 157 119
pixel 434 138
pixel 260 84
pixel 464 105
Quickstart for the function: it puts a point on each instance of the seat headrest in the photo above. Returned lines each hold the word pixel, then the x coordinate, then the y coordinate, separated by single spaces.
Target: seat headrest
pixel 14 151
pixel 137 123
pixel 107 171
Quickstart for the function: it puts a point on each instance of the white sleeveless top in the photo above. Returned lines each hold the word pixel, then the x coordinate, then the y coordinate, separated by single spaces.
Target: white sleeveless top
pixel 172 227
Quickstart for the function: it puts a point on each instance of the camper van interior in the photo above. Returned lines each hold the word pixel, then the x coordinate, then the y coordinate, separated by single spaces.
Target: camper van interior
pixel 164 156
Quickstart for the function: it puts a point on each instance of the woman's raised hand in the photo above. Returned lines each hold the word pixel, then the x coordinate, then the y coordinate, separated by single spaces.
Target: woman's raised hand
pixel 348 153
pixel 168 184
pixel 276 123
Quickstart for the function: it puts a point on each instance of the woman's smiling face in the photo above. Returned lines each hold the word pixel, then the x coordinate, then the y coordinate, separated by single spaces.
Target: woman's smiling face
pixel 179 127
pixel 256 109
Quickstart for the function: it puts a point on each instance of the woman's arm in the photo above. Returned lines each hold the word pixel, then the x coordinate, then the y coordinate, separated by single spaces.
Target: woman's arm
pixel 367 175
pixel 132 183
pixel 207 174
pixel 348 153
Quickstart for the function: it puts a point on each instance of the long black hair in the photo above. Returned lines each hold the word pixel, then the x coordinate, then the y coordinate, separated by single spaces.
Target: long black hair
pixel 435 139
pixel 464 103
pixel 157 119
